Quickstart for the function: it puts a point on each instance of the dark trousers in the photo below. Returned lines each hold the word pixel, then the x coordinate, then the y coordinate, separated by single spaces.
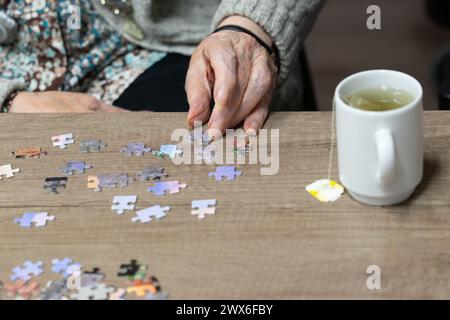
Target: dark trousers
pixel 160 88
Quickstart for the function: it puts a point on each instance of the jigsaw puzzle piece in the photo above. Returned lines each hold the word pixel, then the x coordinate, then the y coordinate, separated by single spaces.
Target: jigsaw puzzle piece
pixel 91 278
pixel 27 220
pixel 93 145
pixel 166 187
pixel 6 171
pixel 152 173
pixel 108 181
pixel 129 269
pixel 122 203
pixel 97 292
pixel 26 271
pixel 93 183
pixel 228 172
pixel 141 288
pixel 63 140
pixel 54 290
pixel 201 208
pixel 22 289
pixel 65 267
pixel 75 167
pixel 170 150
pixel 147 215
pixel 41 219
pixel 137 149
pixel 119 294
pixel 53 184
pixel 38 219
pixel 29 152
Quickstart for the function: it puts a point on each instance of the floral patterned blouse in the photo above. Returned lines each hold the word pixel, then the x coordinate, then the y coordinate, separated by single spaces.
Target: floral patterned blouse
pixel 53 53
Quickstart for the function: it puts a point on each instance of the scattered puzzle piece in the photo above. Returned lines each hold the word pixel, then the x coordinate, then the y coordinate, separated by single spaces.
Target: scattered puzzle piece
pixel 170 150
pixel 136 149
pixel 97 292
pixel 63 140
pixel 143 287
pixel 91 278
pixel 53 184
pixel 122 203
pixel 325 190
pixel 26 221
pixel 201 208
pixel 26 271
pixel 65 267
pixel 28 153
pixel 167 187
pixel 119 294
pixel 229 172
pixel 54 290
pixel 129 269
pixel 6 171
pixel 39 219
pixel 140 274
pixel 87 146
pixel 22 289
pixel 147 215
pixel 108 181
pixel 152 173
pixel 75 167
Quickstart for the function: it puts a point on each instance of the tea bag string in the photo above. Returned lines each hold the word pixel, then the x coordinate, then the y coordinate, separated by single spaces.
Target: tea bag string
pixel 333 137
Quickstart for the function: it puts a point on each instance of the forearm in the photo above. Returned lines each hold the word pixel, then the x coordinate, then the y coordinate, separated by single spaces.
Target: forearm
pixel 286 22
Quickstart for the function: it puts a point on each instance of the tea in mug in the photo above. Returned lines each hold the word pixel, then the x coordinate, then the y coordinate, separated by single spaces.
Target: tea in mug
pixel 382 98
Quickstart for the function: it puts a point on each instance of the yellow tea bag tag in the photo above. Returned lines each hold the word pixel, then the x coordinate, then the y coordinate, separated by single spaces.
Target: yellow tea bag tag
pixel 325 190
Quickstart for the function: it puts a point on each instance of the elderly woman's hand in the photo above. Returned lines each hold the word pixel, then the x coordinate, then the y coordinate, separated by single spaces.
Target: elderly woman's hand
pixel 237 72
pixel 53 101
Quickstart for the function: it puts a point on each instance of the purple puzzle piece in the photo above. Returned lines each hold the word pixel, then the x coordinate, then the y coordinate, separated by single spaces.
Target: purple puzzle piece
pixel 137 149
pixel 27 270
pixel 27 220
pixel 167 187
pixel 75 166
pixel 225 172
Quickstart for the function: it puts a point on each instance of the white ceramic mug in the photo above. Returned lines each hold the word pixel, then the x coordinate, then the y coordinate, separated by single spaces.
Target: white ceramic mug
pixel 380 154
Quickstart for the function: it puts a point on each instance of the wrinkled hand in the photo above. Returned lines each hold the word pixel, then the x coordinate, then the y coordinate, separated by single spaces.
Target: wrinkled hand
pixel 237 72
pixel 58 102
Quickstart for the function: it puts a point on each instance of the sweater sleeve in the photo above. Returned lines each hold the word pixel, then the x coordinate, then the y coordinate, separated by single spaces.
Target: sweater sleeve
pixel 7 87
pixel 286 21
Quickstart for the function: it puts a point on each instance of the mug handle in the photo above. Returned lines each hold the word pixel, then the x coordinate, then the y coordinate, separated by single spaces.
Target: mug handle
pixel 386 156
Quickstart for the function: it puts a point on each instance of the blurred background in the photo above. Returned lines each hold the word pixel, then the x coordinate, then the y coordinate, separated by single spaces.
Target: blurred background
pixel 415 34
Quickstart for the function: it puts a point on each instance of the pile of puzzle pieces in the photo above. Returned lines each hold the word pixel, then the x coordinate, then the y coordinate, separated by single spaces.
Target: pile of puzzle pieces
pixel 74 283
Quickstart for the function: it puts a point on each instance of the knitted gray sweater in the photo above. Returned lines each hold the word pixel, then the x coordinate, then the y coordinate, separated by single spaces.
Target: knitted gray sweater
pixel 180 25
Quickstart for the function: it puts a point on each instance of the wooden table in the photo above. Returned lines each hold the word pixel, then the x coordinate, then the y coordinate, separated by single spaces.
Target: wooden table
pixel 269 238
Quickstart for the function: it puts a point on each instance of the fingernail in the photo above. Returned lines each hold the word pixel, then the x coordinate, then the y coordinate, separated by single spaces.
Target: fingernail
pixel 251 132
pixel 213 134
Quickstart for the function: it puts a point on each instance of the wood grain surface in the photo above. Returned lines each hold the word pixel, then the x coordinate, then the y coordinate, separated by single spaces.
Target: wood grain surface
pixel 269 238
